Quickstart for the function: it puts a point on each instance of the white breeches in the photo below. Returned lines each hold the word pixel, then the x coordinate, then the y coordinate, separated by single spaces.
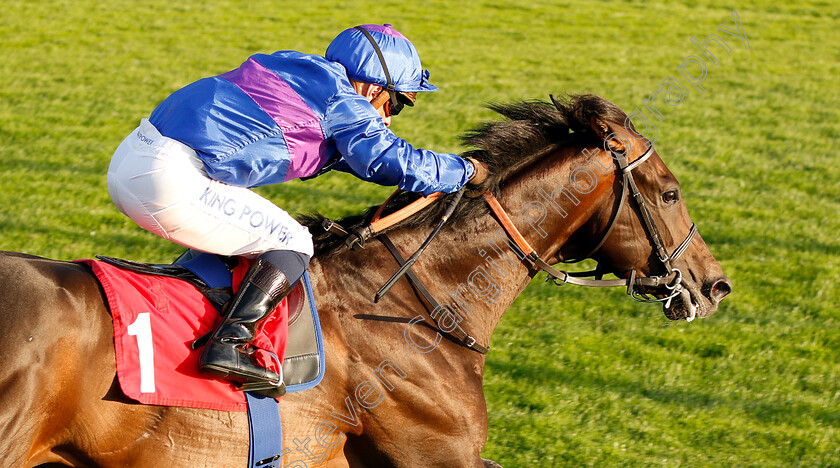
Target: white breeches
pixel 161 184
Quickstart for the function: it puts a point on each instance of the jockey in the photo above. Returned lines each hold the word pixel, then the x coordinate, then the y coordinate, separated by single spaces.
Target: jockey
pixel 185 172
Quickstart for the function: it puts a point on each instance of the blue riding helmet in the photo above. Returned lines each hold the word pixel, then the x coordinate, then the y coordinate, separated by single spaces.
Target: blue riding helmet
pixel 356 53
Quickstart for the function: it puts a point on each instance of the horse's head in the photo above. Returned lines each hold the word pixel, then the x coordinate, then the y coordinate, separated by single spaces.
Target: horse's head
pixel 649 234
pixel 600 192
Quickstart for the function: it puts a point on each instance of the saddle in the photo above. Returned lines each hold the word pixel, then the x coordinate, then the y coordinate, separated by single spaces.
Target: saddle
pixel 302 364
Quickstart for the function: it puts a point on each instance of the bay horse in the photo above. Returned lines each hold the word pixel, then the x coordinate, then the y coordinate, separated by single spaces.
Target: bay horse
pixel 395 393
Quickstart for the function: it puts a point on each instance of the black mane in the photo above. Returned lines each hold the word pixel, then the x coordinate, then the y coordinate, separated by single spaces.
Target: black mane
pixel 532 129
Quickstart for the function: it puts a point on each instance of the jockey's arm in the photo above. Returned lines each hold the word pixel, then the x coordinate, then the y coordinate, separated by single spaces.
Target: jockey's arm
pixel 373 153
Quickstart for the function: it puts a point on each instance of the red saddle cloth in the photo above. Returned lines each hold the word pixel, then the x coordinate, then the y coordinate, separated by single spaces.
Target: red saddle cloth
pixel 156 319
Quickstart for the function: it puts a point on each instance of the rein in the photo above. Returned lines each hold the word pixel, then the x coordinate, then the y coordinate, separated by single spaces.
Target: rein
pixel 356 239
pixel 536 263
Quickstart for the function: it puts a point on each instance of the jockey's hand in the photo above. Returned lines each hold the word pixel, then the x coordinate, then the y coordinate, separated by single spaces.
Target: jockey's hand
pixel 478 183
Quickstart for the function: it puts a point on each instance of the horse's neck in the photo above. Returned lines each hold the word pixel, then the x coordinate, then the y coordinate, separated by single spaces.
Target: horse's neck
pixel 469 269
pixel 555 197
pixel 472 266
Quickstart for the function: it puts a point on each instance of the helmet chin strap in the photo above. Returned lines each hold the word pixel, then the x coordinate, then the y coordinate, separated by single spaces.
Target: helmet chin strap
pixel 380 99
pixel 390 92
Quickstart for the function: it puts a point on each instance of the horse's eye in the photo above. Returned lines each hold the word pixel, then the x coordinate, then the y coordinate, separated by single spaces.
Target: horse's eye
pixel 671 196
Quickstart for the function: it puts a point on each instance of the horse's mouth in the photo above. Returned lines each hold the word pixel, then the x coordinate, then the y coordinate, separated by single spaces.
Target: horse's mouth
pixel 682 307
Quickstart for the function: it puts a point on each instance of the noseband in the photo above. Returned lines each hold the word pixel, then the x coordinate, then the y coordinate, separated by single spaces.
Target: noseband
pixel 671 280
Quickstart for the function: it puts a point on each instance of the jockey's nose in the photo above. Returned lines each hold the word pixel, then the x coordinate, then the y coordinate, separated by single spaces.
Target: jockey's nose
pixel 387 121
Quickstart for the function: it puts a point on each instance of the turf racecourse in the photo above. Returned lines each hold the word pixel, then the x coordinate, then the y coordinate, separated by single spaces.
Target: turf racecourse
pixel 576 377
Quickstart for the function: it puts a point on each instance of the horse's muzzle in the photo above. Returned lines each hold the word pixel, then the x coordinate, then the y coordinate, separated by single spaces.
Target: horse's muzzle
pixel 698 302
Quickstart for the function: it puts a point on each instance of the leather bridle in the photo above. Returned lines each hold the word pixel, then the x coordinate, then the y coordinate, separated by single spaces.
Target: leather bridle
pixel 671 280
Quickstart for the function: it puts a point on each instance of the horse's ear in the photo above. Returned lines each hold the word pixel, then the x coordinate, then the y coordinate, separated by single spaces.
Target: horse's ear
pixel 603 131
pixel 559 105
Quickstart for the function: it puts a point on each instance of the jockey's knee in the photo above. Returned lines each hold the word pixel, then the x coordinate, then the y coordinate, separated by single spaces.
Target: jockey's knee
pixel 301 241
pixel 290 262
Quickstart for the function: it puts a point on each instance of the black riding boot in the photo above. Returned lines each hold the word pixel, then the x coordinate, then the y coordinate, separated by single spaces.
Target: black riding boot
pixel 224 355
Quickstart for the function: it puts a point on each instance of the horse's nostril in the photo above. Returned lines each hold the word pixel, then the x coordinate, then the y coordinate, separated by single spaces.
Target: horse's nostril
pixel 721 289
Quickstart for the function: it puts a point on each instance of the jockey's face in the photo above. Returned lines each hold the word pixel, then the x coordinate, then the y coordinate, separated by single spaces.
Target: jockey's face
pixel 370 92
pixel 383 110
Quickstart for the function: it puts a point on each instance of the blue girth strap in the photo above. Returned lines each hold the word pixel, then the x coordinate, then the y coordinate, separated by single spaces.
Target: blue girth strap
pixel 263 413
pixel 266 431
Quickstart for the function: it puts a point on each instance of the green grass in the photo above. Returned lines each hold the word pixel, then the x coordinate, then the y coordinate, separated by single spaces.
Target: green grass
pixel 576 376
